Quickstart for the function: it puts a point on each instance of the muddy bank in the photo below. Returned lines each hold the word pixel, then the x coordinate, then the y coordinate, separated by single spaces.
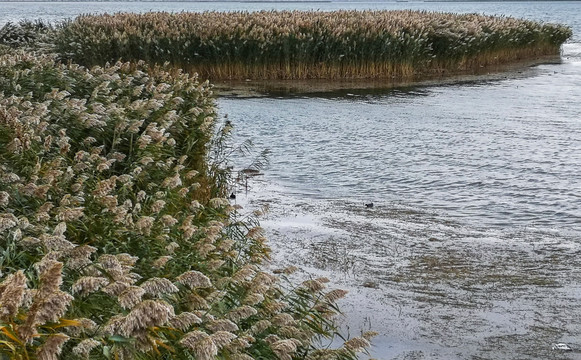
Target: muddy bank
pixel 432 287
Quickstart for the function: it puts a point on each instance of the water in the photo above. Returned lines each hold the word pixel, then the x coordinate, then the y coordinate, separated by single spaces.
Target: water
pixel 472 249
pixel 498 153
pixel 501 153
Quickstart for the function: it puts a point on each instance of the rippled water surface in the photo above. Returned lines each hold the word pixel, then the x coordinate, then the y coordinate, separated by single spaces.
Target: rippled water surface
pixel 502 153
pixel 472 248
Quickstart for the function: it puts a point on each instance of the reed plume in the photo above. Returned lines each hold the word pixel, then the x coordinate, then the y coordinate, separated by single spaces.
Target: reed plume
pixel 117 237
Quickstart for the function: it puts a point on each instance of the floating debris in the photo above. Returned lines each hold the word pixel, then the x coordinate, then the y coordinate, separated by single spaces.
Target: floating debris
pixel 371 284
pixel 562 347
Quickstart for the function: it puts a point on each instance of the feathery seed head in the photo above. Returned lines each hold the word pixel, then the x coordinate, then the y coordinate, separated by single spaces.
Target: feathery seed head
pixel 12 291
pixel 222 325
pixel 130 297
pixel 184 320
pixel 201 344
pixel 52 347
pixel 335 295
pixel 84 348
pixel 356 344
pixel 194 279
pixel 241 313
pixel 145 314
pixel 159 286
pixel 88 284
pixel 161 261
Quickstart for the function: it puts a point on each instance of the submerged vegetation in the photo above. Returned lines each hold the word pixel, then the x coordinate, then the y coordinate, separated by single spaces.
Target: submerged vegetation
pixel 304 45
pixel 116 239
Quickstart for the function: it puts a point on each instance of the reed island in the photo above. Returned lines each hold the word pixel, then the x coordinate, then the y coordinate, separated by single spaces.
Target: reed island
pixel 308 44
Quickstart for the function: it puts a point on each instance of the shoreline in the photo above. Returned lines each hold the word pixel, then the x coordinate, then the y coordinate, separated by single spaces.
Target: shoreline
pixel 257 88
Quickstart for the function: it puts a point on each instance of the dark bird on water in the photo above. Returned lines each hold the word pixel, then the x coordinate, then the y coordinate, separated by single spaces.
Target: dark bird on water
pixel 232 196
pixel 370 205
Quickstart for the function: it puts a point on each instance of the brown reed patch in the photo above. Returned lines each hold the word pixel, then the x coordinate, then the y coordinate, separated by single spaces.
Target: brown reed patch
pixel 309 45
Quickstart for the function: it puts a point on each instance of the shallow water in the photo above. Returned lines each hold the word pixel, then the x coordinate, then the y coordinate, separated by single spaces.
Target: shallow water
pixel 472 248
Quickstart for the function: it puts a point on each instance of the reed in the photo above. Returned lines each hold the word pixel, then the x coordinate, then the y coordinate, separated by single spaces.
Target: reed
pixel 115 241
pixel 305 45
pixel 24 33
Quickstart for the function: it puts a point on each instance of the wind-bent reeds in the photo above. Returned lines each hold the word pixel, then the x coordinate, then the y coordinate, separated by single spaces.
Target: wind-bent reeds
pixel 24 33
pixel 303 45
pixel 115 239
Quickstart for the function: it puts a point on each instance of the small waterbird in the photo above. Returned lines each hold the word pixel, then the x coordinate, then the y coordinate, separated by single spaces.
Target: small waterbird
pixel 232 196
pixel 369 205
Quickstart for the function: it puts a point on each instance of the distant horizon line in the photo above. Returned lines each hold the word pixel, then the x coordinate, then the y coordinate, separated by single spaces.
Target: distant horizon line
pixel 273 1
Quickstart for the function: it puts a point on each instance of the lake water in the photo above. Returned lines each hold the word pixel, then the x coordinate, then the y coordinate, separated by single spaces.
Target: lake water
pixel 476 186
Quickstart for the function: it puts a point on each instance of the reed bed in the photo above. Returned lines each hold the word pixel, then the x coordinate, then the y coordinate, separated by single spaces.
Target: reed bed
pixel 116 241
pixel 304 45
pixel 25 33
